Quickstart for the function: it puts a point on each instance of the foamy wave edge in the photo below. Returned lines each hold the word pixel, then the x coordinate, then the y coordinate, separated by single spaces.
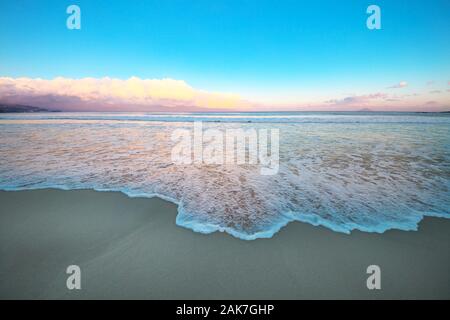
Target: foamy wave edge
pixel 285 219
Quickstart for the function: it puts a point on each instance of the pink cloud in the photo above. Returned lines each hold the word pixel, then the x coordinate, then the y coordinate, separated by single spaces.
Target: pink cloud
pixel 361 100
pixel 133 94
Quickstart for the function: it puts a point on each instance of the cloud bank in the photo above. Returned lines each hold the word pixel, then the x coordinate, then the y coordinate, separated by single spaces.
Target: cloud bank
pixel 136 94
pixel 109 94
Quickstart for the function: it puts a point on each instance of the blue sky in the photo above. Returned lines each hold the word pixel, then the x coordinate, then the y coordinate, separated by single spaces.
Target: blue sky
pixel 280 52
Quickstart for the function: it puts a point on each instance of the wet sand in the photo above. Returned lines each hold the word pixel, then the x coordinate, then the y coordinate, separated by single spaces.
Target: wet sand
pixel 130 248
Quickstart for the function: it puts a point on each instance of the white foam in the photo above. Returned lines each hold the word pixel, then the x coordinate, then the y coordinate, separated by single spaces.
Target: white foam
pixel 370 176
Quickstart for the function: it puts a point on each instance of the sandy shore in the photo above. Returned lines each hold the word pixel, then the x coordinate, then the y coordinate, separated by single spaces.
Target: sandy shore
pixel 131 248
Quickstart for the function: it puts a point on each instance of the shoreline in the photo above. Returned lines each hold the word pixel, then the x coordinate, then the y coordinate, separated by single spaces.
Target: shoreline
pixel 131 248
pixel 287 219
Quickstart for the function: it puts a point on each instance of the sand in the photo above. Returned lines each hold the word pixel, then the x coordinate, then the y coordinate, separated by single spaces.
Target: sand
pixel 131 248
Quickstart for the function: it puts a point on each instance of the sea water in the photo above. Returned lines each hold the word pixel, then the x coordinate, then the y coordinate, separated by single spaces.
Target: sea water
pixel 366 171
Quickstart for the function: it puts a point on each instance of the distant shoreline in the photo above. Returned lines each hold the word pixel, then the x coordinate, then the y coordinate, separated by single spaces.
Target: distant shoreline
pixel 15 108
pixel 223 112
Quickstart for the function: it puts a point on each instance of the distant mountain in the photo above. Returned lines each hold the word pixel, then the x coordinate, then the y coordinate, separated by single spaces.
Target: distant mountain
pixel 4 108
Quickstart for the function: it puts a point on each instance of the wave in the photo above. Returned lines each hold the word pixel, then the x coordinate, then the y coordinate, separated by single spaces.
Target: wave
pixel 370 177
pixel 285 219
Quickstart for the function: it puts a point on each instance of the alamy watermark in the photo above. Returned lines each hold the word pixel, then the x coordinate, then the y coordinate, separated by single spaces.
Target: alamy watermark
pixel 374 20
pixel 74 279
pixel 225 147
pixel 73 21
pixel 374 280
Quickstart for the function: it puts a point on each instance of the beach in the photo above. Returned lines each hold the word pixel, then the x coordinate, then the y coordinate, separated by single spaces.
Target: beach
pixel 131 248
pixel 224 150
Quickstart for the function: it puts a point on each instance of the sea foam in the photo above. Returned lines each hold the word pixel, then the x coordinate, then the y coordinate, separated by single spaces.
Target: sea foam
pixel 371 172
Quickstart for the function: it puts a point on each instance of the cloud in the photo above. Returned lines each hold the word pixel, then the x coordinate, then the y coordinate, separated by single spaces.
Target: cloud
pixel 361 100
pixel 411 95
pixel 111 94
pixel 384 102
pixel 135 94
pixel 435 91
pixel 401 84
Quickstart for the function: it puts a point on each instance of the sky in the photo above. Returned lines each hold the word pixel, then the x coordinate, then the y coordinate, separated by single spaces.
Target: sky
pixel 193 55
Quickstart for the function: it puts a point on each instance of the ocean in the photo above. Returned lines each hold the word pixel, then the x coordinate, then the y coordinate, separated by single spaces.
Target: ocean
pixel 367 171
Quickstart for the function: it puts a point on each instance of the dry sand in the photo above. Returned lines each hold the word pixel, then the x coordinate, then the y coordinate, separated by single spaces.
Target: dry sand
pixel 131 248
